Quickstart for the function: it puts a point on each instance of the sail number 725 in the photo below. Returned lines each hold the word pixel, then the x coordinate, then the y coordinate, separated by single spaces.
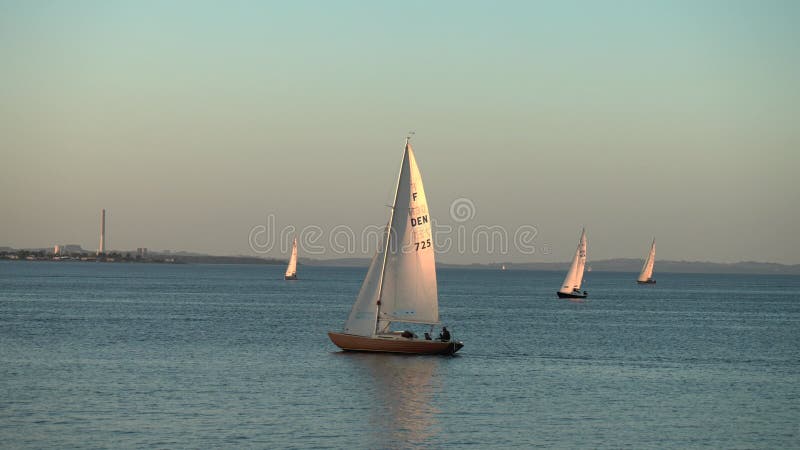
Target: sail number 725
pixel 423 244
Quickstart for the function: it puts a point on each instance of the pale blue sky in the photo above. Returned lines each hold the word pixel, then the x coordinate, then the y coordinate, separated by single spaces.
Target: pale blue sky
pixel 190 121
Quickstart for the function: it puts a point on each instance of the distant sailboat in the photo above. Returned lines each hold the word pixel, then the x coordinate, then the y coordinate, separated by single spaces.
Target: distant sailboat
pixel 646 277
pixel 571 287
pixel 291 269
pixel 400 285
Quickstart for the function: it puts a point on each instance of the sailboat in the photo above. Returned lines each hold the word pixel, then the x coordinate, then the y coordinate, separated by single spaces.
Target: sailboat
pixel 400 285
pixel 291 269
pixel 571 287
pixel 646 277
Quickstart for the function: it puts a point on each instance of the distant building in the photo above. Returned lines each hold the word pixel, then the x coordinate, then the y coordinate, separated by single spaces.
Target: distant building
pixel 141 252
pixel 71 248
pixel 67 249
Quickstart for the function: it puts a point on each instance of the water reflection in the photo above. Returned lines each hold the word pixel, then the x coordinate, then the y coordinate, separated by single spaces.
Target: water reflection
pixel 402 390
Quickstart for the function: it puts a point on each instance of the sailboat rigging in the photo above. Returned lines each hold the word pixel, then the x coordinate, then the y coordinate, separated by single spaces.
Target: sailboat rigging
pixel 291 269
pixel 571 287
pixel 646 276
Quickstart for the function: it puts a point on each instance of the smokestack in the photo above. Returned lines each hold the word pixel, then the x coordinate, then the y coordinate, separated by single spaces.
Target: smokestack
pixel 102 248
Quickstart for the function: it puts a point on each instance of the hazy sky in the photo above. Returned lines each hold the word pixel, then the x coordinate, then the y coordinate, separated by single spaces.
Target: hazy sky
pixel 192 121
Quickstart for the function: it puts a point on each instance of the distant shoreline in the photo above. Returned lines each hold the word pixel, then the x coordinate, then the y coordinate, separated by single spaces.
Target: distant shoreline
pixel 607 265
pixel 127 257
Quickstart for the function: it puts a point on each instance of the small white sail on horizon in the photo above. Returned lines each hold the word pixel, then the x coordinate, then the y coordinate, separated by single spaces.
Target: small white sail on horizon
pixel 400 285
pixel 574 279
pixel 647 268
pixel 291 269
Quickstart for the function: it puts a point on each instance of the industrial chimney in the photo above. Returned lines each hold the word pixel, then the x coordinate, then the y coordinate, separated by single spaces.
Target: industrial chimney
pixel 102 248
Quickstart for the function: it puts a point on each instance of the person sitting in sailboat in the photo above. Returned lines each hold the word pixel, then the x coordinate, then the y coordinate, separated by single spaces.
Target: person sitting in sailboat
pixel 444 336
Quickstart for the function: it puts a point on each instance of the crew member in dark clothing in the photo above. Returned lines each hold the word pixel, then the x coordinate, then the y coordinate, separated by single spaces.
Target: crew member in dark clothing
pixel 444 336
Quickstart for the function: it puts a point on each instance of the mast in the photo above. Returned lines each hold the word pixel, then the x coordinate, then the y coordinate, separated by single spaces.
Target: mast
pixel 388 236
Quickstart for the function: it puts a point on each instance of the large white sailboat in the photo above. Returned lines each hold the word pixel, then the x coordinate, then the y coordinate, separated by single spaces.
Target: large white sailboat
pixel 571 287
pixel 646 276
pixel 400 285
pixel 291 269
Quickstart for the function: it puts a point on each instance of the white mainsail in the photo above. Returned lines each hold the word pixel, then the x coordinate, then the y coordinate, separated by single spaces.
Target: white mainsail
pixel 647 269
pixel 574 278
pixel 400 285
pixel 291 270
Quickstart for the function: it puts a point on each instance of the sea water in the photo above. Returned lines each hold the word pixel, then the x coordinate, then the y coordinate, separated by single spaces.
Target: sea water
pixel 97 355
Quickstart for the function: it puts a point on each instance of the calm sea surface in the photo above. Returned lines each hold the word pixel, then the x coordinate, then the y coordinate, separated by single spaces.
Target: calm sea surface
pixel 201 356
